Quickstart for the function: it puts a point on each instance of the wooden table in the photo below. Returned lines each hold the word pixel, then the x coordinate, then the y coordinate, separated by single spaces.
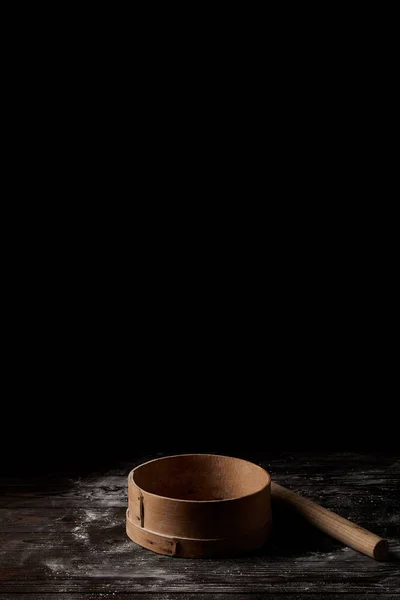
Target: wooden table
pixel 63 537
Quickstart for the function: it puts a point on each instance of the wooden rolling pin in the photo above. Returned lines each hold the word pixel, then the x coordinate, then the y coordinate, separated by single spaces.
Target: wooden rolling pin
pixel 329 522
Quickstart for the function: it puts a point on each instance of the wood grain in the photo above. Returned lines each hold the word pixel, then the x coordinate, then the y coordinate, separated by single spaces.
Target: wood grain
pixel 198 548
pixel 65 538
pixel 199 595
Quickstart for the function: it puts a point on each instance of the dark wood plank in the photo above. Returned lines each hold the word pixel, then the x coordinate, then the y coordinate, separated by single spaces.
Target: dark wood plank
pixel 65 537
pixel 55 520
pixel 198 596
pixel 93 557
pixel 51 520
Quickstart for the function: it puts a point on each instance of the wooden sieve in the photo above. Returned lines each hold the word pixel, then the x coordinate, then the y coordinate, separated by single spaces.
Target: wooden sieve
pixel 204 505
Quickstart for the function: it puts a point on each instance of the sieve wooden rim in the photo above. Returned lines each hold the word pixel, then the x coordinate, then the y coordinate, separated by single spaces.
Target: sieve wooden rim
pixel 131 480
pixel 209 524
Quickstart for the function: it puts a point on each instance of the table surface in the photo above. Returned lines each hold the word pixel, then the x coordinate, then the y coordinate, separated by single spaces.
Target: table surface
pixel 64 537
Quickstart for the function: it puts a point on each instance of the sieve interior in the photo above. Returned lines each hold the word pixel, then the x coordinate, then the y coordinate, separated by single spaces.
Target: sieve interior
pixel 200 477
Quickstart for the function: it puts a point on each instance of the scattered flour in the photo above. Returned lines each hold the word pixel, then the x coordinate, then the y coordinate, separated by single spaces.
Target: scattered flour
pixel 80 532
pixel 56 566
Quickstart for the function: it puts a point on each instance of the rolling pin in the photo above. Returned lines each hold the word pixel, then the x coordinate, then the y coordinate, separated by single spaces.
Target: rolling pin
pixel 329 522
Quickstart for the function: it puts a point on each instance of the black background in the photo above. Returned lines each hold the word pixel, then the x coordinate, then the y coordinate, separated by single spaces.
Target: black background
pixel 78 435
pixel 231 329
pixel 211 270
pixel 111 359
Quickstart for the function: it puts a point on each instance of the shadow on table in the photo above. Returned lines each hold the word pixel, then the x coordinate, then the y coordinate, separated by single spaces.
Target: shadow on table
pixel 294 536
pixel 394 556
